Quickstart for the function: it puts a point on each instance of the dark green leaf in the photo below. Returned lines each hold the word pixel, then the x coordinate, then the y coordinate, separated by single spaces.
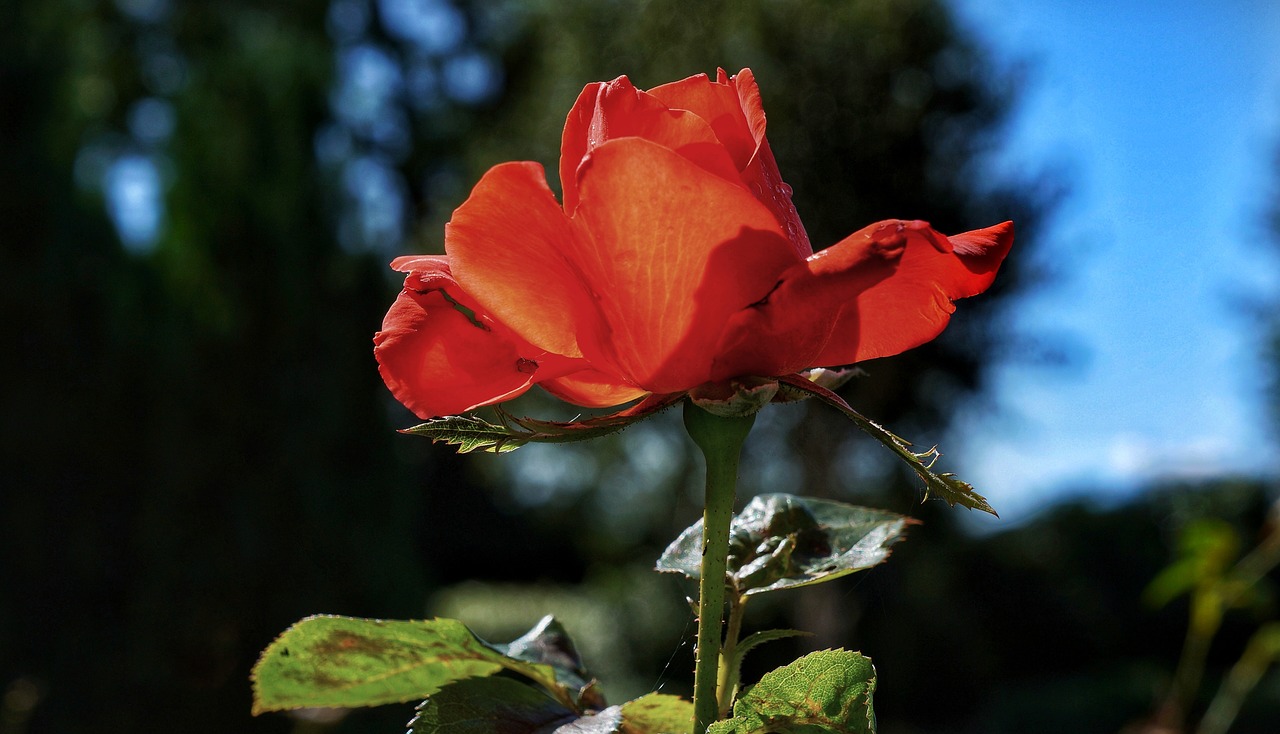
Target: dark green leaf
pixel 657 713
pixel 470 433
pixel 827 691
pixel 945 486
pixel 780 540
pixel 342 661
pixel 549 644
pixel 489 706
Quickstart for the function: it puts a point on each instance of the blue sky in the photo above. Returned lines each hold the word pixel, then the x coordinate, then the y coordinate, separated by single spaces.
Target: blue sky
pixel 1165 118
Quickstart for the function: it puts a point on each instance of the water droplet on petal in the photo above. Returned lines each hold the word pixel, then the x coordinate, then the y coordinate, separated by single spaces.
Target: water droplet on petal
pixel 757 189
pixel 785 189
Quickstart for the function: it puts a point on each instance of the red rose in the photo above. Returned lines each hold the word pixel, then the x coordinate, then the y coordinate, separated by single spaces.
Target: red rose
pixel 677 259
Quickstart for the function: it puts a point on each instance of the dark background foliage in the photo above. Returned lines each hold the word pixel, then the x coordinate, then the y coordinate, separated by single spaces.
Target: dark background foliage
pixel 196 449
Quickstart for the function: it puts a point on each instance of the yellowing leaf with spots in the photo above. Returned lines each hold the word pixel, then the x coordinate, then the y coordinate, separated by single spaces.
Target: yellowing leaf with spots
pixel 346 662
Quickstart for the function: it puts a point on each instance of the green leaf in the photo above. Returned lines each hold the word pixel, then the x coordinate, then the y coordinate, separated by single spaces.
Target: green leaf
pixel 548 643
pixel 780 541
pixel 733 669
pixel 657 713
pixel 490 706
pixel 505 706
pixel 343 661
pixel 470 433
pixel 756 639
pixel 827 691
pixel 945 486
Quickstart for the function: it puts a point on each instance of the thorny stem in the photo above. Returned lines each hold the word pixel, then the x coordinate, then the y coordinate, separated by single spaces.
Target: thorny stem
pixel 720 439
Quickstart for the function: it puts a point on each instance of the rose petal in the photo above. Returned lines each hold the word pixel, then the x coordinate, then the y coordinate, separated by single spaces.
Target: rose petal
pixel 735 112
pixel 914 305
pixel 438 362
pixel 617 109
pixel 670 251
pixel 506 246
pixel 428 266
pixel 879 292
pixel 761 172
pixel 718 103
pixel 592 388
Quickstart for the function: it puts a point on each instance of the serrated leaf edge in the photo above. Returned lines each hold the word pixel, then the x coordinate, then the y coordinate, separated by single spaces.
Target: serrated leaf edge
pixel 742 708
pixel 946 486
pixel 472 433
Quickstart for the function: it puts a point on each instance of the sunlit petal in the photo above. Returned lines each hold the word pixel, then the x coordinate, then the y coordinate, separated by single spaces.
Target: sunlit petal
pixel 592 388
pixel 507 246
pixel 670 251
pixel 734 110
pixel 617 109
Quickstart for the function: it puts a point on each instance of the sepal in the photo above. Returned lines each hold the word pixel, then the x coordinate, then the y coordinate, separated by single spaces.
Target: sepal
pixel 470 433
pixel 945 486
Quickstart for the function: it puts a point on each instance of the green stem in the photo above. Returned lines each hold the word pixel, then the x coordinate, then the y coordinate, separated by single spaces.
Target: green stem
pixel 720 439
pixel 728 681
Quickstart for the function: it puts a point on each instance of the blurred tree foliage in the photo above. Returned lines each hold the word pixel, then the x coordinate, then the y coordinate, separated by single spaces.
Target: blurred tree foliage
pixel 196 447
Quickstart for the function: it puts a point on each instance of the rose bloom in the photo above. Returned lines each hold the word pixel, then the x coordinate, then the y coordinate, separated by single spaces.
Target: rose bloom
pixel 676 259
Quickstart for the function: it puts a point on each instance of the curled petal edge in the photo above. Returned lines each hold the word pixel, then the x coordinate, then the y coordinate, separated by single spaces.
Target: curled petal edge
pixel 440 353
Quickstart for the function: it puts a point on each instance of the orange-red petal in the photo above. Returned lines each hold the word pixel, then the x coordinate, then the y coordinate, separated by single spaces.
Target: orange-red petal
pixel 441 354
pixel 881 291
pixel 718 103
pixel 437 362
pixel 592 388
pixel 913 304
pixel 736 113
pixel 506 246
pixel 671 251
pixel 573 142
pixel 617 109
